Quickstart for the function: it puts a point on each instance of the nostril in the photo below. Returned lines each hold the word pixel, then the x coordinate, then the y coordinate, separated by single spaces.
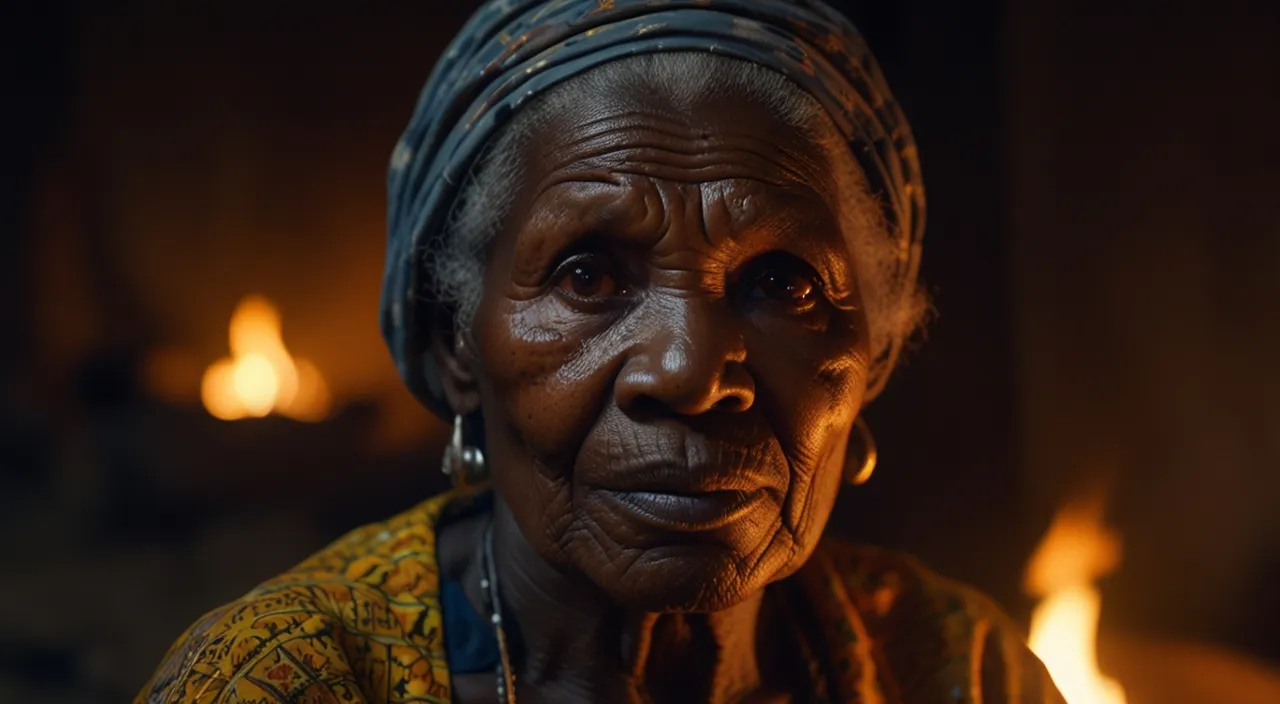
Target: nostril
pixel 645 406
pixel 736 388
pixel 732 403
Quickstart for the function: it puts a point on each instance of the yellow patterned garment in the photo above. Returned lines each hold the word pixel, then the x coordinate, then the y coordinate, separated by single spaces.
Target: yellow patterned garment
pixel 360 622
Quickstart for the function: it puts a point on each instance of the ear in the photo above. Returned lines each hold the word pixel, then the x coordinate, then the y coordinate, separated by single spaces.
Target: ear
pixel 454 359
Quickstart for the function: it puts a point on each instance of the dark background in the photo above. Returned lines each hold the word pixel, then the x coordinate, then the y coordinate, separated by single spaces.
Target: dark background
pixel 1103 248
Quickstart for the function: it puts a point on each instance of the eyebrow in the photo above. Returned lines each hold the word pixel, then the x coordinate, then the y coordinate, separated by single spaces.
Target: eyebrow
pixel 593 217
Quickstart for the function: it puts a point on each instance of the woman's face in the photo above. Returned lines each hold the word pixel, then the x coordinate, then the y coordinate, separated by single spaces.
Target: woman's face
pixel 671 351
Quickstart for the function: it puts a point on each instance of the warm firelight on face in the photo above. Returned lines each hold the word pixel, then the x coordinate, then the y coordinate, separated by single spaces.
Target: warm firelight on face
pixel 1077 550
pixel 261 377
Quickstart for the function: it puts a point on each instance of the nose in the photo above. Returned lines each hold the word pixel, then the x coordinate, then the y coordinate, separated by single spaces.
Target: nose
pixel 693 361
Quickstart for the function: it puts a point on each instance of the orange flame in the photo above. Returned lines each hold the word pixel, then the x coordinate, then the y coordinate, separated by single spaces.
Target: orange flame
pixel 1077 550
pixel 261 377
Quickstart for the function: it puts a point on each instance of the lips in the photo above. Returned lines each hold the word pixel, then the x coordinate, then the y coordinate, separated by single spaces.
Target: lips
pixel 683 498
pixel 673 479
pixel 667 477
pixel 690 512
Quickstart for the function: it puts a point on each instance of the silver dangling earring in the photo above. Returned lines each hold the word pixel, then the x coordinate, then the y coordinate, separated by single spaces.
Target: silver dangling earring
pixel 462 464
pixel 858 475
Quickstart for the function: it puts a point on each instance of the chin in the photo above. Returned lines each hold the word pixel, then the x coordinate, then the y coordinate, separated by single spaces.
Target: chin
pixel 686 579
pixel 677 555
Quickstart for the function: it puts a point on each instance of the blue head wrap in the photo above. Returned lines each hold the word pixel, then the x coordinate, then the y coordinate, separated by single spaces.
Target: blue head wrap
pixel 510 51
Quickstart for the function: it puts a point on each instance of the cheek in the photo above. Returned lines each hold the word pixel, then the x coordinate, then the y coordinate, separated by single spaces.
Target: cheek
pixel 811 387
pixel 821 402
pixel 544 395
pixel 811 384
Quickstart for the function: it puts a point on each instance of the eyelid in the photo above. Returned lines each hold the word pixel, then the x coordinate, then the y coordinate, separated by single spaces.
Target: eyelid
pixel 837 291
pixel 770 262
pixel 562 265
pixel 590 246
pixel 837 286
pixel 623 287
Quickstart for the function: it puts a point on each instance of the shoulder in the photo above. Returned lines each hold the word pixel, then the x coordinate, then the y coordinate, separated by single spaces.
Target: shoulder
pixel 359 617
pixel 924 637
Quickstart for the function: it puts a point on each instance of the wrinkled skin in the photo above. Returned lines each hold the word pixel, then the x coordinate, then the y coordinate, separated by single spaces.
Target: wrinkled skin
pixel 672 307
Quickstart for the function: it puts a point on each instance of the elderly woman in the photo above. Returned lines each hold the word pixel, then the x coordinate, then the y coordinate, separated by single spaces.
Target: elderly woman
pixel 651 258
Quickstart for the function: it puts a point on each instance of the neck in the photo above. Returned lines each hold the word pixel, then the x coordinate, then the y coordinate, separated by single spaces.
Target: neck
pixel 569 637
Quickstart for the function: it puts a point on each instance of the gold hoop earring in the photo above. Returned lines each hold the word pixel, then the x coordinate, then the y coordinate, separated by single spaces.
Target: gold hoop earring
pixel 463 464
pixel 860 473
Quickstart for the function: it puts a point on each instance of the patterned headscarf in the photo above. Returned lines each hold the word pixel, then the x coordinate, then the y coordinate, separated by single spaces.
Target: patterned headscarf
pixel 511 51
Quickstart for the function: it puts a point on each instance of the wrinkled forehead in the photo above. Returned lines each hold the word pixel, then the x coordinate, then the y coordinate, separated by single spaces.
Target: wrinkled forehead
pixel 654 131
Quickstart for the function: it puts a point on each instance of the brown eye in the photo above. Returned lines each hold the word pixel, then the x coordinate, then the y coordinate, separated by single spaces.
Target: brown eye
pixel 791 288
pixel 795 290
pixel 585 278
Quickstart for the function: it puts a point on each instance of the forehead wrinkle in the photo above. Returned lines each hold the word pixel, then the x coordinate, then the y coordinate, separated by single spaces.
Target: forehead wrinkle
pixel 682 127
pixel 661 170
pixel 711 166
pixel 682 205
pixel 638 138
pixel 692 249
pixel 715 198
pixel 637 152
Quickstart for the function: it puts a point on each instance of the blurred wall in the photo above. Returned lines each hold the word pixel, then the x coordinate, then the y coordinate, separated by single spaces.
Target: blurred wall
pixel 219 151
pixel 948 487
pixel 1144 163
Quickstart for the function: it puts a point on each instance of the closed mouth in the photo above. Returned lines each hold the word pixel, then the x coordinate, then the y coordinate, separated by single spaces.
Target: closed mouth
pixel 681 480
pixel 687 510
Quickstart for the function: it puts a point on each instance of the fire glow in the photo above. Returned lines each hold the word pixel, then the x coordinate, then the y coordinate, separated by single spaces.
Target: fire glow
pixel 261 377
pixel 1076 551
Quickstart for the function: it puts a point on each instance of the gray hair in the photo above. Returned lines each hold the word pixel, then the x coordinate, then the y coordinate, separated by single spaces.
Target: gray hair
pixel 454 261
